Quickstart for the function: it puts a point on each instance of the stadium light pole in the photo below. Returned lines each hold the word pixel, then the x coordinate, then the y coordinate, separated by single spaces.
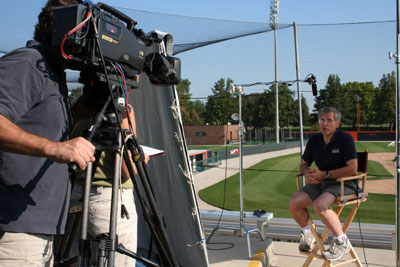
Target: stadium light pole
pixel 273 23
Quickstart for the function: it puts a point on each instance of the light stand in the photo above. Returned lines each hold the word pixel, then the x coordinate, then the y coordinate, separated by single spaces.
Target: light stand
pixel 397 158
pixel 238 89
pixel 242 228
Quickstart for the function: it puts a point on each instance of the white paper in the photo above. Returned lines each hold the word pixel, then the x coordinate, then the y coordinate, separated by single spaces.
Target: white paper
pixel 152 152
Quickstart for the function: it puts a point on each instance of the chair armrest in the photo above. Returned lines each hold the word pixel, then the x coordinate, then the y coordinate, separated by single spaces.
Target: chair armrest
pixel 298 177
pixel 349 178
pixel 362 176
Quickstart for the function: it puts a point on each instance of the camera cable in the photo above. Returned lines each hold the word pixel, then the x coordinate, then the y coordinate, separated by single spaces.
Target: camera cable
pixel 229 244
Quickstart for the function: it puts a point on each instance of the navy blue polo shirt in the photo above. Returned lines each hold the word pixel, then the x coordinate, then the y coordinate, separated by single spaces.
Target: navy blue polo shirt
pixel 330 156
pixel 34 191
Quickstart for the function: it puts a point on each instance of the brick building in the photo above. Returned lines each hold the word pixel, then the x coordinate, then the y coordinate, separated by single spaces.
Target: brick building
pixel 211 134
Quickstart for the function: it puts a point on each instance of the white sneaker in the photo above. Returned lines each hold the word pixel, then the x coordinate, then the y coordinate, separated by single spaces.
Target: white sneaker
pixel 307 240
pixel 337 250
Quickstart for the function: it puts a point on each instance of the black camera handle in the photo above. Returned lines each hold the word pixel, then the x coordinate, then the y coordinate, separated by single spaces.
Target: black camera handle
pixel 130 23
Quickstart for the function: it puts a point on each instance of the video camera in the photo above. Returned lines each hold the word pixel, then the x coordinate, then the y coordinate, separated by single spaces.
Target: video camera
pixel 91 37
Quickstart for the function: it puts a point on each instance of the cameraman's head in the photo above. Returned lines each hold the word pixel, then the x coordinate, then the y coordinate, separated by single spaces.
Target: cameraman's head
pixel 45 19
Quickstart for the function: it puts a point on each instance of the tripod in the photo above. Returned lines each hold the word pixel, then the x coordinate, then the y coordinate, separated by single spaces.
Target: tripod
pixel 107 244
pixel 110 138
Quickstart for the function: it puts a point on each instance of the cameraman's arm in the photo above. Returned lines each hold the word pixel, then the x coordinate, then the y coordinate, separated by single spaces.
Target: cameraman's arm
pixel 15 140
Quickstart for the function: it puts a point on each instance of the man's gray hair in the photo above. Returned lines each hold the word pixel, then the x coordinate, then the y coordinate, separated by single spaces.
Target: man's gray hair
pixel 336 112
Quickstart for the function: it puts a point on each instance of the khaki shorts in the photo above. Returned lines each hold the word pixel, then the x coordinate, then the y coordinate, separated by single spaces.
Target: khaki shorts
pixel 99 221
pixel 20 249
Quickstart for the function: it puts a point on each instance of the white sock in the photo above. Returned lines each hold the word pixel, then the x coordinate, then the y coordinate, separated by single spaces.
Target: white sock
pixel 342 238
pixel 306 229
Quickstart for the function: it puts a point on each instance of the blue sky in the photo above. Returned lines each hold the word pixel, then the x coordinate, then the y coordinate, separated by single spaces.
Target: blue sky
pixel 250 59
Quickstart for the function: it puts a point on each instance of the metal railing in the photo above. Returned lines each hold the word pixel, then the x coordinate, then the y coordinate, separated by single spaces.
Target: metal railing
pixel 202 165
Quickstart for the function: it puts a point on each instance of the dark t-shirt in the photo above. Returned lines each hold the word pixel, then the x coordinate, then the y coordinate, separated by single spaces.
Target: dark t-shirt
pixel 332 156
pixel 34 191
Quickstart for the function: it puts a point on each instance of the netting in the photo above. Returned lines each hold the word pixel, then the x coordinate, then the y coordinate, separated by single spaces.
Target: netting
pixel 353 51
pixel 197 32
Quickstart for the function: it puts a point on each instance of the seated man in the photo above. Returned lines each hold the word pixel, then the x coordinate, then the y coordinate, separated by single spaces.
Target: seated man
pixel 334 153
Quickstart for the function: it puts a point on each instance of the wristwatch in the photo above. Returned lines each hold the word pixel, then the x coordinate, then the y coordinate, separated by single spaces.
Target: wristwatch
pixel 327 175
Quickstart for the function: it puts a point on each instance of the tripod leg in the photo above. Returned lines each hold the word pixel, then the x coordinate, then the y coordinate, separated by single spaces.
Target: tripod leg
pixel 154 221
pixel 84 247
pixel 114 206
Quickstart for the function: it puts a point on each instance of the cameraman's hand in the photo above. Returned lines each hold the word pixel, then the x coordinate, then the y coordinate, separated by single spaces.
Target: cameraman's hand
pixel 77 150
pixel 146 159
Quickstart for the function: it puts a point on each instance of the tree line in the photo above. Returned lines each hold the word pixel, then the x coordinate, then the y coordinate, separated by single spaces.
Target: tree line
pixel 375 105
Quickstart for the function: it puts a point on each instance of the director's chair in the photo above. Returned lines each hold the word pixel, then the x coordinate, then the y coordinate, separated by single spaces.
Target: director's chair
pixel 343 200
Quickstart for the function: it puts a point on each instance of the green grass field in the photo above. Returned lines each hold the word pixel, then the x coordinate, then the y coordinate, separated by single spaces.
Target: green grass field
pixel 374 147
pixel 269 185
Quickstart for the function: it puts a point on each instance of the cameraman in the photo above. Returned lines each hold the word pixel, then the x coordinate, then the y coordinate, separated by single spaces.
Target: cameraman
pixel 34 128
pixel 85 110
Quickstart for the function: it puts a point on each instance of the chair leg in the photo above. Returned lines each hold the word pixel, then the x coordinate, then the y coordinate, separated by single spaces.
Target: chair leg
pixel 354 258
pixel 319 246
pixel 320 239
pixel 346 225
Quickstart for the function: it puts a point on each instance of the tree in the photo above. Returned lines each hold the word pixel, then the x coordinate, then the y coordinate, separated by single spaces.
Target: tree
pixel 330 96
pixel 288 107
pixel 220 105
pixel 198 109
pixel 183 89
pixel 363 94
pixel 191 111
pixel 304 112
pixel 265 108
pixel 386 100
pixel 249 106
pixel 334 96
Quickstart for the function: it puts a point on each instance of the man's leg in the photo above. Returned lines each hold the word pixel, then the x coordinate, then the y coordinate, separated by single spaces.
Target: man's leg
pixel 298 205
pixel 127 229
pixel 20 249
pixel 341 244
pixel 322 206
pixel 99 221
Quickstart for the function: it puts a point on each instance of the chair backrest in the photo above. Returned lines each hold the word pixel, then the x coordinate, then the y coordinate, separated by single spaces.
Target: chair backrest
pixel 362 161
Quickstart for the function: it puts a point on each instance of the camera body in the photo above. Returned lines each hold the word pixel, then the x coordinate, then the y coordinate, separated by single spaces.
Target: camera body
pixel 112 35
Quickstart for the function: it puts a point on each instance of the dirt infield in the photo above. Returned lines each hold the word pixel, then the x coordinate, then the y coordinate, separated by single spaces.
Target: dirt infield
pixel 386 186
